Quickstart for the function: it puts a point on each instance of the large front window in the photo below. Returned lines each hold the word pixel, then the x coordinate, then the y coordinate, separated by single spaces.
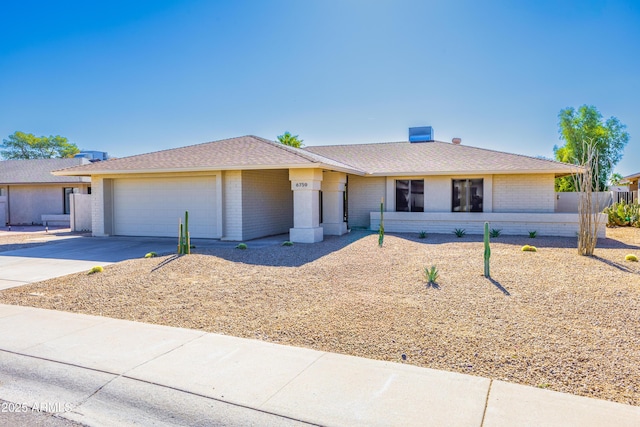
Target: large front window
pixel 410 195
pixel 467 195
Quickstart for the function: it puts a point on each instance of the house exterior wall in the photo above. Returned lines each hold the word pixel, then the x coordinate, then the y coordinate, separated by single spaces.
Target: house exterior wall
pixel 516 204
pixel 27 203
pixel 3 210
pixel 267 203
pixel 363 196
pixel 232 200
pixel 524 193
pixel 438 191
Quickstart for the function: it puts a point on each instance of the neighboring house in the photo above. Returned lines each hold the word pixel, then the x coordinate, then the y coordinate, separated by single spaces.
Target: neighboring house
pixel 632 181
pixel 30 194
pixel 631 195
pixel 249 187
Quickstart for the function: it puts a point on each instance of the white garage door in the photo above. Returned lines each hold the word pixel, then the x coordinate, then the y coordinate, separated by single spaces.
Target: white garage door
pixel 153 206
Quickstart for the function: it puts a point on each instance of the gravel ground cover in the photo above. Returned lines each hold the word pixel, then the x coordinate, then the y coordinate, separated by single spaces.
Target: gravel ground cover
pixel 551 318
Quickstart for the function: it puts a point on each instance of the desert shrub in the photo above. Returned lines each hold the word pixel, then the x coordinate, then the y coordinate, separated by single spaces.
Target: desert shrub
pixel 151 255
pixel 287 243
pixel 241 246
pixel 495 232
pixel 422 234
pixel 623 214
pixel 631 257
pixel 460 232
pixel 533 234
pixel 96 269
pixel 529 248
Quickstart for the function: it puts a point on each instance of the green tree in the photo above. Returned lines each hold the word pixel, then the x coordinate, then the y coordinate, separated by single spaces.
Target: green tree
pixel 577 127
pixel 615 179
pixel 290 140
pixel 22 145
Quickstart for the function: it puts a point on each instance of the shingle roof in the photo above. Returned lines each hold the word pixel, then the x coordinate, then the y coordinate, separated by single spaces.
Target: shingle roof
pixel 246 152
pixel 436 158
pixel 631 177
pixel 38 171
pixel 393 158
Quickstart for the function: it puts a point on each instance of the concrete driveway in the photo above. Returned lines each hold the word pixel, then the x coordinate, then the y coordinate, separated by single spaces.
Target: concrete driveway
pixel 74 254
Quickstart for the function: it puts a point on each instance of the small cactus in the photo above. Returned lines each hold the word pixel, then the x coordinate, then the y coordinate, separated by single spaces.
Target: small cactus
pixel 381 230
pixel 242 246
pixel 287 243
pixel 184 237
pixel 487 249
pixel 528 248
pixel 631 257
pixel 151 255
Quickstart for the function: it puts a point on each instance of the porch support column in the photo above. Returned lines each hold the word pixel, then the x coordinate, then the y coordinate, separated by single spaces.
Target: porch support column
pixel 333 203
pixel 306 184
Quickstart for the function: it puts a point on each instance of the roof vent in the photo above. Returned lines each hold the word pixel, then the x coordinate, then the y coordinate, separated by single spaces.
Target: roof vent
pixel 421 134
pixel 456 141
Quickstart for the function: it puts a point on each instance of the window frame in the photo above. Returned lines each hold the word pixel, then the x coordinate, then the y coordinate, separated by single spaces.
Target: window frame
pixel 468 207
pixel 412 196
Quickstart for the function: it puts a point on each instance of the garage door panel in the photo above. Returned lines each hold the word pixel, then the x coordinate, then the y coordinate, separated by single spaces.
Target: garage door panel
pixel 153 206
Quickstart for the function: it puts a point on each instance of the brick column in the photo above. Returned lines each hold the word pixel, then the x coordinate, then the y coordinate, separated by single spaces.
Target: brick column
pixel 306 184
pixel 333 184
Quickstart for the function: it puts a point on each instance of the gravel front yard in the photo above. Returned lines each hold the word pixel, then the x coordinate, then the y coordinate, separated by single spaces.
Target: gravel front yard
pixel 549 319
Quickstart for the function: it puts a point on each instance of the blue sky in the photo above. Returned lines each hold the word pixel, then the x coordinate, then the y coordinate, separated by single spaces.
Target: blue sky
pixel 130 77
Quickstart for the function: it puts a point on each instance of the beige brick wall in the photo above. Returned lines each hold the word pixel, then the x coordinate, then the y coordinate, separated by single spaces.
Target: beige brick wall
pixel 267 203
pixel 97 206
pixel 364 194
pixel 232 188
pixel 523 193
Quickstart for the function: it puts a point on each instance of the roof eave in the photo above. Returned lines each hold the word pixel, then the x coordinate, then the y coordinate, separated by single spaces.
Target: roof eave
pixel 557 173
pixel 336 168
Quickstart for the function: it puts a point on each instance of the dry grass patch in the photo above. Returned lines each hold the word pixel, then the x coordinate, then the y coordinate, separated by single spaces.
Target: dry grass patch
pixel 552 318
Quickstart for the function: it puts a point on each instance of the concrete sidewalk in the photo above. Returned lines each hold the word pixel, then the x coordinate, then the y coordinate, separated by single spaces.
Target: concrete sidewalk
pixel 100 371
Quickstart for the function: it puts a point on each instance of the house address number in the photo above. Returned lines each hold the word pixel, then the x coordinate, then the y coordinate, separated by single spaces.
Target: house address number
pixel 302 184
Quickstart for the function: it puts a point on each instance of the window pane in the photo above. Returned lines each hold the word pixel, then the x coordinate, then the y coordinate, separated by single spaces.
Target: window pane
pixel 417 195
pixel 467 195
pixel 458 196
pixel 402 196
pixel 67 204
pixel 475 195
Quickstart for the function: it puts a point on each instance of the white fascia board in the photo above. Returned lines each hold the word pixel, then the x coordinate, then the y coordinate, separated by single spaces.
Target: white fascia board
pixel 478 172
pixel 208 169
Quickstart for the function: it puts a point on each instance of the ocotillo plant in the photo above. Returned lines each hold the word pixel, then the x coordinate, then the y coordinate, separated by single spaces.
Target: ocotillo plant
pixel 381 231
pixel 487 250
pixel 184 238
